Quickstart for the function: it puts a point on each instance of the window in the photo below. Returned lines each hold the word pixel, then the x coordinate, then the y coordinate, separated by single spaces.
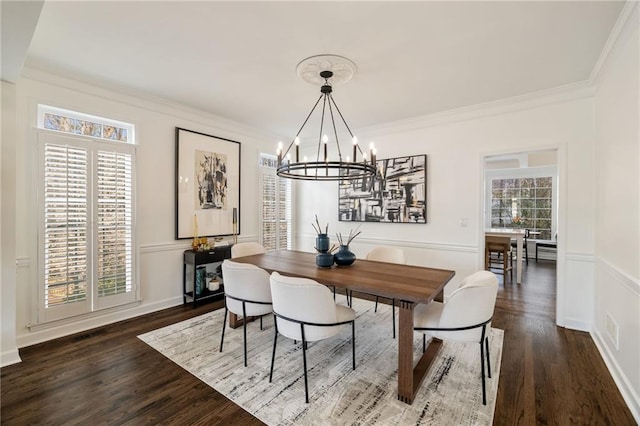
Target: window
pixel 523 199
pixel 86 199
pixel 276 206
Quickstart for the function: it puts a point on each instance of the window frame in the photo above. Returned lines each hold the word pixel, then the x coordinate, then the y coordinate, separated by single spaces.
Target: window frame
pixel 92 303
pixel 521 173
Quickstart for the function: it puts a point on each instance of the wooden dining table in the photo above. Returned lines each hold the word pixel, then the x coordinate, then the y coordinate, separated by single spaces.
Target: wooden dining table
pixel 409 285
pixel 518 234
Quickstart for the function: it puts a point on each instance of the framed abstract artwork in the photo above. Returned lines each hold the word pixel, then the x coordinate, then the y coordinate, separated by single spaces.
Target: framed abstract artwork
pixel 397 194
pixel 207 185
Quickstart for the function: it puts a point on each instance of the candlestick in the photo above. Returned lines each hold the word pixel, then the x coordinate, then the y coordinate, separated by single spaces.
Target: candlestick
pixel 279 151
pixel 195 232
pixel 235 215
pixel 355 147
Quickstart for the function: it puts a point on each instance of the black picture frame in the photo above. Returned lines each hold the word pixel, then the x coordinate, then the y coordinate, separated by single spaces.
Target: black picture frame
pixel 397 193
pixel 207 185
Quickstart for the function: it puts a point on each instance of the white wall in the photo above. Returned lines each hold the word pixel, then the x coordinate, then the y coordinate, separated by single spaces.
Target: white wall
pixel 455 146
pixel 8 349
pixel 160 256
pixel 617 249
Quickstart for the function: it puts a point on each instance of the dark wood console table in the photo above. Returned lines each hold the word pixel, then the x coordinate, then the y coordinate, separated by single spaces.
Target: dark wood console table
pixel 193 259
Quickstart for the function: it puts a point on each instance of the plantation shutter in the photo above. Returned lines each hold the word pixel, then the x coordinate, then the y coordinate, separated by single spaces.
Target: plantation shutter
pixel 114 222
pixel 66 232
pixel 87 232
pixel 284 213
pixel 269 211
pixel 276 206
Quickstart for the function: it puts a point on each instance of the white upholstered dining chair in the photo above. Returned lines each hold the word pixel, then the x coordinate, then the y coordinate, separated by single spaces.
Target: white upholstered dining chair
pixel 246 249
pixel 305 311
pixel 247 293
pixel 464 317
pixel 389 255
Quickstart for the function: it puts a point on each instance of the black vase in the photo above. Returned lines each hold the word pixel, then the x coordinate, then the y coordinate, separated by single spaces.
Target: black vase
pixel 344 257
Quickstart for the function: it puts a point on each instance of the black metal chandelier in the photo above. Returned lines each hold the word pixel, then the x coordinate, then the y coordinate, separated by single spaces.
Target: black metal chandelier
pixel 322 168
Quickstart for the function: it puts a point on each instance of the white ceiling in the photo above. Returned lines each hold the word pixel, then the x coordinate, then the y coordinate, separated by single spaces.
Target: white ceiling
pixel 238 59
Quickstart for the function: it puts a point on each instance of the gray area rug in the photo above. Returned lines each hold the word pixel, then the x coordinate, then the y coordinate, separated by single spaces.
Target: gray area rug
pixel 450 394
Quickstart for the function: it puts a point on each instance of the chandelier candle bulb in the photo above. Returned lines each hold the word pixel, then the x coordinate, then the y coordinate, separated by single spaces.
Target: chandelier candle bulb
pixel 325 139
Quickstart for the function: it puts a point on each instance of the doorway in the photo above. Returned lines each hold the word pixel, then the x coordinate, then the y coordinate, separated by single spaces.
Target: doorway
pixel 521 191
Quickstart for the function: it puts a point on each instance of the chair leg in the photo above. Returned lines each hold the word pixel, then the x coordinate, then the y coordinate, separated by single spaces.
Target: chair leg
pixel 424 343
pixel 260 322
pixel 504 268
pixel 304 363
pixel 244 331
pixel 353 343
pixel 484 394
pixel 273 355
pixel 487 259
pixel 484 389
pixel 376 309
pixel 393 316
pixel 486 341
pixel 224 323
pixel 511 271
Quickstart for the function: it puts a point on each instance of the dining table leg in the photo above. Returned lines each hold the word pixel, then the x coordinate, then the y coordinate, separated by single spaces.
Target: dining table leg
pixel 519 254
pixel 410 377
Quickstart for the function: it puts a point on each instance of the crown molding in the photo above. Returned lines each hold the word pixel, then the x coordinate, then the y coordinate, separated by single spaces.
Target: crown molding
pixel 144 101
pixel 561 94
pixel 614 35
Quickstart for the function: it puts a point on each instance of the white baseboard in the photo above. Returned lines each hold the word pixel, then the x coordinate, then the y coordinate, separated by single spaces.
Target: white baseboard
pixel 628 394
pixel 576 325
pixel 9 357
pixel 81 325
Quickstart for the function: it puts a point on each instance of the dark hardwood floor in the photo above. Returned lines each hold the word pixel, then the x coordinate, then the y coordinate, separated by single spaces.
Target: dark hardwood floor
pixel 549 375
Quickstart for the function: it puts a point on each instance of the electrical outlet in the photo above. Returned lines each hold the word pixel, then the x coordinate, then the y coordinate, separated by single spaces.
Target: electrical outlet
pixel 612 329
pixel 463 222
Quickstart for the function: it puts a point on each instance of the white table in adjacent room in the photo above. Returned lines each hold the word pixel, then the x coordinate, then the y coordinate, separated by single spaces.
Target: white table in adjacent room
pixel 518 234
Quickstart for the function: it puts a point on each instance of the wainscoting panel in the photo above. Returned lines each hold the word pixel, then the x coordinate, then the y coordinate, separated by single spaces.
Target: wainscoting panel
pixel 616 329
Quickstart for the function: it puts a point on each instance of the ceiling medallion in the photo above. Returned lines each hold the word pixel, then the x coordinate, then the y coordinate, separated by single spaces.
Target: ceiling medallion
pixel 343 69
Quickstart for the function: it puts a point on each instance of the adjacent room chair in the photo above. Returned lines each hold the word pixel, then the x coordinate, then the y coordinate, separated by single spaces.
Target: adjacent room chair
pixel 464 317
pixel 247 293
pixel 305 311
pixel 503 259
pixel 246 249
pixel 525 245
pixel 389 255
